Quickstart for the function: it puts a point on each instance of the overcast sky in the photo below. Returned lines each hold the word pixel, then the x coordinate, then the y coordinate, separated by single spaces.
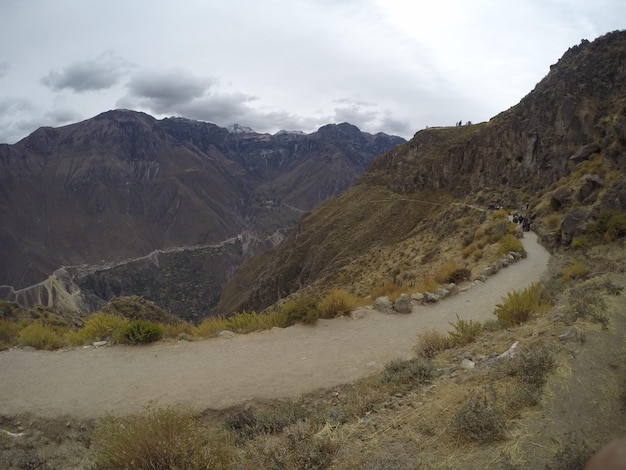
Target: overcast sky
pixel 395 66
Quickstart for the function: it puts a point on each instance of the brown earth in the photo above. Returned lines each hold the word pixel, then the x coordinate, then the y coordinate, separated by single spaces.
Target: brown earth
pixel 221 372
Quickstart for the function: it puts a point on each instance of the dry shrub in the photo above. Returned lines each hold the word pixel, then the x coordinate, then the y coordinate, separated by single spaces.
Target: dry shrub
pixel 553 221
pixel 442 275
pixel 406 374
pixel 387 289
pixel 302 310
pixel 8 334
pixel 430 342
pixel 465 332
pixel 140 332
pixel 337 302
pixel 427 284
pixel 577 269
pixel 209 327
pixel 160 438
pixel 479 420
pixel 588 305
pixel 40 336
pixel 519 305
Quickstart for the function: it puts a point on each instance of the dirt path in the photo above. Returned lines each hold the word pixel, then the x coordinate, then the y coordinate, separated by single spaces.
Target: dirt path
pixel 221 372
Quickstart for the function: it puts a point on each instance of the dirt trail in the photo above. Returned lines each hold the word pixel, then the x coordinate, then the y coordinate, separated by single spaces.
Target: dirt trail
pixel 221 372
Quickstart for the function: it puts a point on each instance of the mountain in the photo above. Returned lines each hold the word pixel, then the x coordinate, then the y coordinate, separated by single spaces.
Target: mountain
pixel 561 150
pixel 121 203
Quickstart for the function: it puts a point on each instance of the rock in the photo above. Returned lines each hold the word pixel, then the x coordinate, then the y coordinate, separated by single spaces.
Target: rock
pixel 452 288
pixel 226 334
pixel 357 314
pixel 383 304
pixel 468 364
pixel 403 304
pixel 585 152
pixel 97 344
pixel 560 198
pixel 431 297
pixel 573 224
pixel 589 184
pixel 509 353
pixel 488 271
pixel 418 298
pixel 442 293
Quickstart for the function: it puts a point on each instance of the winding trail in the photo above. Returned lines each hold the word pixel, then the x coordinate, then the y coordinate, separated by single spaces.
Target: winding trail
pixel 225 371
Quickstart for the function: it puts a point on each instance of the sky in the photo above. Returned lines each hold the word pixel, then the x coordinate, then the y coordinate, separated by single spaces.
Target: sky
pixel 394 66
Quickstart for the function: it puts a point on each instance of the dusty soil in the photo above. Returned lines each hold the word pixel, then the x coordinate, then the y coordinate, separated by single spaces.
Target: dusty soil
pixel 225 371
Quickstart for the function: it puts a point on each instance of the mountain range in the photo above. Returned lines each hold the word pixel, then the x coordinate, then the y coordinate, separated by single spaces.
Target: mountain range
pixel 125 204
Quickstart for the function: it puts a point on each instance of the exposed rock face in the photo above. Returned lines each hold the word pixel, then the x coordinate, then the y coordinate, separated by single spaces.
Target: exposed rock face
pixel 123 184
pixel 576 112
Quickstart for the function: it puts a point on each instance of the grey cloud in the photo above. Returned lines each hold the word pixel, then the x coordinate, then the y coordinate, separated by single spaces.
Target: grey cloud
pixel 4 69
pixel 166 91
pixel 16 119
pixel 97 74
pixel 60 116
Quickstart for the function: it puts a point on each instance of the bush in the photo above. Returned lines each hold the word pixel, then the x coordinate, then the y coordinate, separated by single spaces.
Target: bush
pixel 616 227
pixel 140 332
pixel 577 269
pixel 588 304
pixel 478 420
pixel 99 327
pixel 509 243
pixel 530 367
pixel 337 302
pixel 519 305
pixel 408 373
pixel 430 342
pixel 443 274
pixel 8 334
pixel 39 336
pixel 465 332
pixel 300 311
pixel 159 438
pixel 459 275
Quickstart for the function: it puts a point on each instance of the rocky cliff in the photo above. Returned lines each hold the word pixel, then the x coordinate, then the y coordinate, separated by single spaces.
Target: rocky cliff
pixel 95 195
pixel 564 142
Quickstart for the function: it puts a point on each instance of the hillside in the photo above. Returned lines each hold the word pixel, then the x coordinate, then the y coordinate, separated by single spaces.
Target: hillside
pixel 98 194
pixel 560 152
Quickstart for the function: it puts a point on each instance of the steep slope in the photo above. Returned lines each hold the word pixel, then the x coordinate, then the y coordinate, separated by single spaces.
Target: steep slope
pixel 573 125
pixel 99 193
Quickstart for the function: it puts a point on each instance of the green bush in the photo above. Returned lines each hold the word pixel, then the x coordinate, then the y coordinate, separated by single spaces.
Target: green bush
pixel 478 420
pixel 509 243
pixel 337 302
pixel 159 438
pixel 40 336
pixel 140 332
pixel 465 332
pixel 300 311
pixel 430 342
pixel 519 305
pixel 577 269
pixel 616 227
pixel 99 327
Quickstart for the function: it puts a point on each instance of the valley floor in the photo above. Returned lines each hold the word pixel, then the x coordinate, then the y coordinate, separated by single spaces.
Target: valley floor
pixel 231 369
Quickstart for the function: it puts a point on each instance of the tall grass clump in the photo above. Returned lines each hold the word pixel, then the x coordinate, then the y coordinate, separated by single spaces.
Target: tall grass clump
pixel 519 305
pixel 336 303
pixel 431 342
pixel 40 336
pixel 159 438
pixel 479 420
pixel 577 269
pixel 510 243
pixel 408 373
pixel 304 310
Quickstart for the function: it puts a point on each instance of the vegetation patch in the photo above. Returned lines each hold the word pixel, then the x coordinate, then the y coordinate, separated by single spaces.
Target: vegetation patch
pixel 336 303
pixel 408 373
pixel 479 420
pixel 40 336
pixel 519 305
pixel 140 332
pixel 464 332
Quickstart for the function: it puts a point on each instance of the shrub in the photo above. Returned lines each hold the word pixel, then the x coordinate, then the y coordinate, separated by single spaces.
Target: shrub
pixel 588 304
pixel 300 311
pixel 444 272
pixel 459 275
pixel 519 305
pixel 159 438
pixel 494 324
pixel 478 420
pixel 465 332
pixel 577 269
pixel 579 243
pixel 39 336
pixel 430 342
pixel 530 367
pixel 140 332
pixel 210 326
pixel 616 227
pixel 100 327
pixel 337 302
pixel 509 243
pixel 8 334
pixel 408 373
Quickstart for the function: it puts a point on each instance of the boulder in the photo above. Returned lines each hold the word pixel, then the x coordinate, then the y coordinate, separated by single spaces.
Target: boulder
pixel 452 288
pixel 585 152
pixel 383 304
pixel 418 298
pixel 403 304
pixel 442 293
pixel 573 224
pixel 431 297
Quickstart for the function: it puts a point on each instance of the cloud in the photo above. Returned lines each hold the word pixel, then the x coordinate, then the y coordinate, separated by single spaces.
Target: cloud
pixel 167 91
pixel 4 69
pixel 100 73
pixel 60 116
pixel 17 118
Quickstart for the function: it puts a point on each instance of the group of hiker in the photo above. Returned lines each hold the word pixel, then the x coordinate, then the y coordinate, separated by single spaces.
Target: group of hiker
pixel 523 220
